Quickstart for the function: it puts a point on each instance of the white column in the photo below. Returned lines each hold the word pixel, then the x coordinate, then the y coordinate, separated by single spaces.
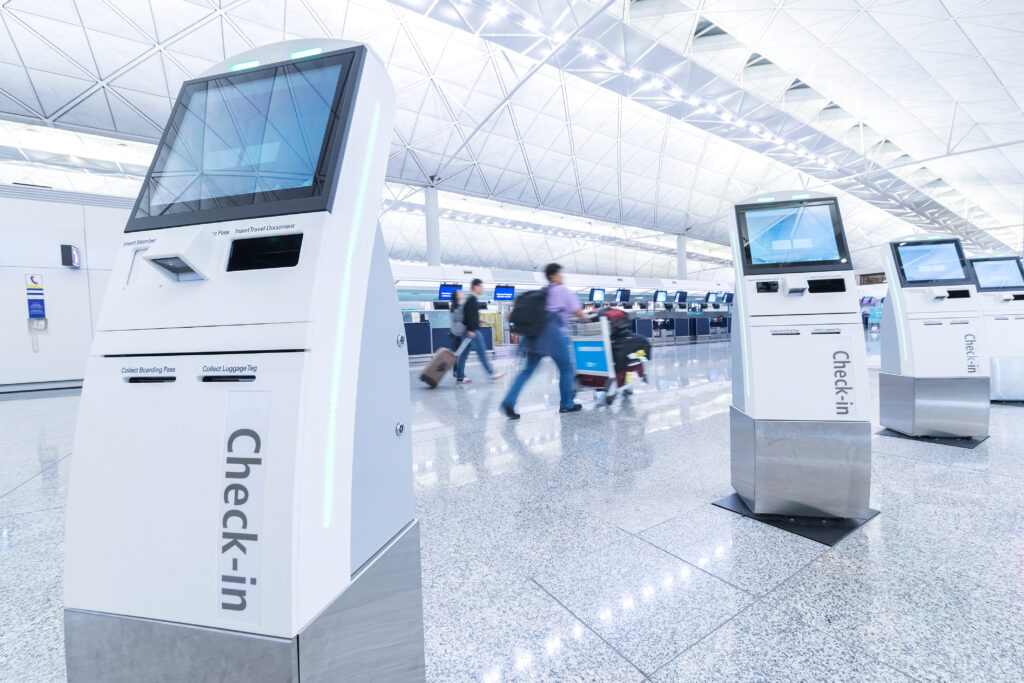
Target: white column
pixel 681 257
pixel 433 221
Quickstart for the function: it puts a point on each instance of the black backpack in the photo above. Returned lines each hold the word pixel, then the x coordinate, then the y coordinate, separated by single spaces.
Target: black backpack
pixel 528 315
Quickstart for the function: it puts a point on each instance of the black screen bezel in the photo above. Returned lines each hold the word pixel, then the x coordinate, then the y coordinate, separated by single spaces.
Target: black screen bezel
pixel 977 280
pixel 749 268
pixel 317 197
pixel 964 264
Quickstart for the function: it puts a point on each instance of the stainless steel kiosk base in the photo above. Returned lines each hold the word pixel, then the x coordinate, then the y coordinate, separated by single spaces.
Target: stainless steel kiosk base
pixel 1008 379
pixel 934 406
pixel 801 468
pixel 373 631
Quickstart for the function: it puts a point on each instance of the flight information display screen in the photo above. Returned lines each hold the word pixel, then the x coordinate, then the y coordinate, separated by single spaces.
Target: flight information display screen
pixel 445 292
pixel 240 142
pixel 931 262
pixel 801 236
pixel 999 274
pixel 504 293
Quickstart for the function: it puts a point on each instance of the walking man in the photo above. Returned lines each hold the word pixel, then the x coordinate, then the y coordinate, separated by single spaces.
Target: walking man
pixel 471 320
pixel 553 341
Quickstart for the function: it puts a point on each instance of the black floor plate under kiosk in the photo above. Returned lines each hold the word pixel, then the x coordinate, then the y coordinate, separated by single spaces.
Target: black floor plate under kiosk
pixel 968 442
pixel 824 530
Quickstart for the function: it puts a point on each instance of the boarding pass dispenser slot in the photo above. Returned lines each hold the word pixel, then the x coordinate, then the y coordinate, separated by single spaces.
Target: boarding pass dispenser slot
pixel 150 379
pixel 959 293
pixel 768 287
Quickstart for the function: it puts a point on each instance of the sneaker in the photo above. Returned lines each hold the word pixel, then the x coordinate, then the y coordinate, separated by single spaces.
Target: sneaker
pixel 510 412
pixel 465 381
pixel 576 407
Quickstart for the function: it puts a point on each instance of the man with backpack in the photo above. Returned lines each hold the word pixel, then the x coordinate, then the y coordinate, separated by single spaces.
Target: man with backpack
pixel 541 319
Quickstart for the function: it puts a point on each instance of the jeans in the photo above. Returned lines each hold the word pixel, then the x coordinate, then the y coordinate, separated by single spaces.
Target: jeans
pixel 560 354
pixel 476 343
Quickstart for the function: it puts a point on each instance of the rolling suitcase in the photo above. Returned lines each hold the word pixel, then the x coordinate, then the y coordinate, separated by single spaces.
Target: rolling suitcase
pixel 442 362
pixel 440 365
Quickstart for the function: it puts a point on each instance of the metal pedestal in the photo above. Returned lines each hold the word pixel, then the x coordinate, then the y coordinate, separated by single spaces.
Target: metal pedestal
pixel 1008 378
pixel 801 468
pixel 934 406
pixel 373 631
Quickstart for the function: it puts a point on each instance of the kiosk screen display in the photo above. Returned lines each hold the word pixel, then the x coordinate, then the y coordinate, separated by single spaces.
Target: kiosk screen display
pixel 246 139
pixel 802 236
pixel 504 293
pixel 445 292
pixel 711 297
pixel 931 262
pixel 660 296
pixel 999 274
pixel 680 298
pixel 621 295
pixel 597 296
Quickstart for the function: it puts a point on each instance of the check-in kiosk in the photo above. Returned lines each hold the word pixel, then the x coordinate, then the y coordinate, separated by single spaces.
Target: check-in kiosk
pixel 799 423
pixel 241 503
pixel 1001 299
pixel 935 369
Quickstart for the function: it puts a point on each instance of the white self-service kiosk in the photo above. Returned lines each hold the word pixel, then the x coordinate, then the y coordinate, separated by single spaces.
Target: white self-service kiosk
pixel 241 497
pixel 1001 299
pixel 799 423
pixel 935 370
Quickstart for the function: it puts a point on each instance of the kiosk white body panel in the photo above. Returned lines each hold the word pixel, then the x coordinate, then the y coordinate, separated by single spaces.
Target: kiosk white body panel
pixel 800 421
pixel 1001 297
pixel 935 351
pixel 225 475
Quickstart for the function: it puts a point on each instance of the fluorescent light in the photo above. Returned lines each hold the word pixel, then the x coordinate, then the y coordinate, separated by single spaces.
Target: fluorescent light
pixel 635 73
pixel 559 37
pixel 613 63
pixel 765 199
pixel 588 50
pixel 307 53
pixel 801 196
pixel 655 83
pixel 676 93
pixel 497 10
pixel 693 101
pixel 532 24
pixel 241 66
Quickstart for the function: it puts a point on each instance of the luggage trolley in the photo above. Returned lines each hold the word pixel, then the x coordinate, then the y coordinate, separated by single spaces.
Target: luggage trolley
pixel 593 364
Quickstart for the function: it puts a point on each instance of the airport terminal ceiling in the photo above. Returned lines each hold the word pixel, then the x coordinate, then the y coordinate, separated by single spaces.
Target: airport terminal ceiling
pixel 645 115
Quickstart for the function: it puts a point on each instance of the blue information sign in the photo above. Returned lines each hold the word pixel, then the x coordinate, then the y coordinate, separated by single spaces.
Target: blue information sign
pixel 590 356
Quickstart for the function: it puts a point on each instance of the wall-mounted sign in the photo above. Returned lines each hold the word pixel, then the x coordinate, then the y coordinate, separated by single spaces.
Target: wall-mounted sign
pixel 34 294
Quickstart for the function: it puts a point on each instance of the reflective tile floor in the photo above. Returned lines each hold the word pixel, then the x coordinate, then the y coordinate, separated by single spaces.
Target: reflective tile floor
pixel 584 546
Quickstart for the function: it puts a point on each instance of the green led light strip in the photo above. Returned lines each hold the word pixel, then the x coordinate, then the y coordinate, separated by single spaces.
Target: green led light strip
pixel 339 334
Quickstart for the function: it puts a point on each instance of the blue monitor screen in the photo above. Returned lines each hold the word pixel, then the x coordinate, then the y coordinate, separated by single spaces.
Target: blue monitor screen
pixel 711 298
pixel 445 292
pixel 661 296
pixel 791 235
pixel 597 296
pixel 622 295
pixel 931 261
pixel 504 293
pixel 680 298
pixel 1001 274
pixel 246 138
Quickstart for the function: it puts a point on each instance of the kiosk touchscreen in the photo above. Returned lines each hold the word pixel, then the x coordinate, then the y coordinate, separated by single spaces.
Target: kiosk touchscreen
pixel 935 368
pixel 621 296
pixel 1001 298
pixel 800 418
pixel 597 295
pixel 241 499
pixel 680 297
pixel 660 296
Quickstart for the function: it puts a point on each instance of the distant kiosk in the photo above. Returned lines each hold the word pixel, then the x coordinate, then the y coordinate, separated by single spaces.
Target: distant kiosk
pixel 241 501
pixel 935 367
pixel 800 419
pixel 1001 299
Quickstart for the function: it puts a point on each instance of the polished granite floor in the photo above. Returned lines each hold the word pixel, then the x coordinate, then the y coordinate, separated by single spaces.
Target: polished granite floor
pixel 584 547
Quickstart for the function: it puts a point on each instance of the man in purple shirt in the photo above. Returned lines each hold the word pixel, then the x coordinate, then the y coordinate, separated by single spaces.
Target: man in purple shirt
pixel 561 303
